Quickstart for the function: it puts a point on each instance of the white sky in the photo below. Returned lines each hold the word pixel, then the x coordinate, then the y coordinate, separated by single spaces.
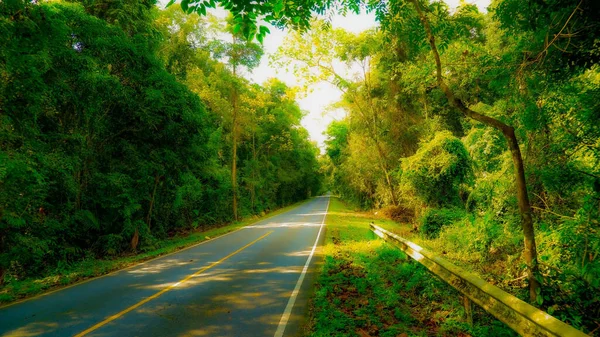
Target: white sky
pixel 316 103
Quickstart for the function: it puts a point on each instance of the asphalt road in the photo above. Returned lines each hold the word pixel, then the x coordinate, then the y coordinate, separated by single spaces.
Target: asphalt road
pixel 246 283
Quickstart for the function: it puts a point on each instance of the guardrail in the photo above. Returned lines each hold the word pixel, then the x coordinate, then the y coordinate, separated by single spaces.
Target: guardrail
pixel 518 315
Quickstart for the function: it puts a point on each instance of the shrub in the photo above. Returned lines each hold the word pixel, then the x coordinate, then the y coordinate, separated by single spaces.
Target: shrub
pixel 433 220
pixel 398 213
pixel 438 169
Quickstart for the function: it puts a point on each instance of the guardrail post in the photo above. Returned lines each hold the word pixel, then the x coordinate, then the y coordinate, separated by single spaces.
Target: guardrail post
pixel 468 310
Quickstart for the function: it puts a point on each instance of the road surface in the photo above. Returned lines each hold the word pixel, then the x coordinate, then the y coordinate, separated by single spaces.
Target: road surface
pixel 252 282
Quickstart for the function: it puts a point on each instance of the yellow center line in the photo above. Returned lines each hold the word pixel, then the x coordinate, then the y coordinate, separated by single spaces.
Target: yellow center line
pixel 148 299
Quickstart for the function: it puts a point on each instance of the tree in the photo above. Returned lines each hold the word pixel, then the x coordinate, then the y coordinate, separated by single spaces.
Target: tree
pixel 513 144
pixel 112 142
pixel 334 52
pixel 237 53
pixel 106 135
pixel 507 131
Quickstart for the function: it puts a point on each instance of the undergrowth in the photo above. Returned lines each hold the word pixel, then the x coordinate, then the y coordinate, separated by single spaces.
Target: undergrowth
pixel 66 274
pixel 492 247
pixel 369 288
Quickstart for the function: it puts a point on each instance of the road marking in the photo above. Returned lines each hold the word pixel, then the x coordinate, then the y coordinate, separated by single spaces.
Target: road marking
pixel 148 299
pixel 290 305
pixel 271 215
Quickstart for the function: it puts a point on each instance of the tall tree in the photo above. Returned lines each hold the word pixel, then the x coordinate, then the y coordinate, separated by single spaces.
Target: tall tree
pixel 334 56
pixel 513 144
pixel 238 53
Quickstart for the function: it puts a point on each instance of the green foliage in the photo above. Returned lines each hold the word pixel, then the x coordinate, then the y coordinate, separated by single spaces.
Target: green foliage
pixel 571 286
pixel 103 138
pixel 117 118
pixel 433 220
pixel 248 14
pixel 485 146
pixel 69 272
pixel 337 133
pixel 438 170
pixel 367 287
pixel 520 64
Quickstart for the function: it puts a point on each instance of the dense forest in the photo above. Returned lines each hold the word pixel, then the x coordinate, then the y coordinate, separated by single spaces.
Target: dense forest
pixel 482 130
pixel 122 124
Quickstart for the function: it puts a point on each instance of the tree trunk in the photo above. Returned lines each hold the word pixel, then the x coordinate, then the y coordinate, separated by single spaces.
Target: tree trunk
pixel 78 197
pixel 383 163
pixel 2 236
pixel 149 216
pixel 234 176
pixel 135 239
pixel 513 144
pixel 234 148
pixel 253 185
pixel 382 157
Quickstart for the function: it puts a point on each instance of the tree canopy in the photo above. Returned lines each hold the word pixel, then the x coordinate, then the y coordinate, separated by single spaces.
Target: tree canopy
pixel 123 124
pixel 116 132
pixel 467 117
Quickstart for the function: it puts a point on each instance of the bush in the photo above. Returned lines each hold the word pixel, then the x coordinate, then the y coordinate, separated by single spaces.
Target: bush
pixel 438 169
pixel 398 213
pixel 434 219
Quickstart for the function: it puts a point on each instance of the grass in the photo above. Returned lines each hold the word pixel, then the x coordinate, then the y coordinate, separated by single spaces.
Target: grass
pixel 89 268
pixel 500 264
pixel 369 288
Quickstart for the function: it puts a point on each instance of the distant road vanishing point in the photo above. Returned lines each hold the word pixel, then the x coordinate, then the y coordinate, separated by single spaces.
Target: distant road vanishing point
pixel 251 282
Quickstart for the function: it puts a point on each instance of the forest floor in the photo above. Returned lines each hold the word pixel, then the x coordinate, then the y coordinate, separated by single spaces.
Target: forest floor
pixel 369 288
pixel 69 274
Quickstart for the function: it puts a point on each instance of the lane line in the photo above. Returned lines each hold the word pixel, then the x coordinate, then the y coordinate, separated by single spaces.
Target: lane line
pixel 290 305
pixel 148 299
pixel 50 292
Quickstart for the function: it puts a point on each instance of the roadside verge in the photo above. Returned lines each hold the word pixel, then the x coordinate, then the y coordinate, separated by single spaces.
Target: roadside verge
pixel 367 287
pixel 87 270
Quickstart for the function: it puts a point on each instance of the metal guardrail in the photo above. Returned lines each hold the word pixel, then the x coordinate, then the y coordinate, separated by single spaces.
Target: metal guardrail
pixel 518 315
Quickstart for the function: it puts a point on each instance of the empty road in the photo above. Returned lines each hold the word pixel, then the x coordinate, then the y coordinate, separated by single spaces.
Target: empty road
pixel 246 283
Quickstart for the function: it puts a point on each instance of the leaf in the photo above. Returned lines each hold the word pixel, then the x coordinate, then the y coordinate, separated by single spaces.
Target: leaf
pixel 539 299
pixel 170 3
pixel 15 222
pixel 264 30
pixel 185 5
pixel 237 28
pixel 278 7
pixel 192 9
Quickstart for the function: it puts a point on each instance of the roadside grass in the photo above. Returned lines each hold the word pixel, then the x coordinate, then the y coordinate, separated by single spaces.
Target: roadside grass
pixel 89 268
pixel 502 266
pixel 494 252
pixel 369 288
pixel 407 231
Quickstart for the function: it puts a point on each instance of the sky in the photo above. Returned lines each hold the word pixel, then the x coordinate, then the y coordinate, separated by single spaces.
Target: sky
pixel 315 104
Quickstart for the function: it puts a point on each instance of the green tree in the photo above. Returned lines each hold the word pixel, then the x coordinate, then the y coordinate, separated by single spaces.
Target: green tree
pixel 238 53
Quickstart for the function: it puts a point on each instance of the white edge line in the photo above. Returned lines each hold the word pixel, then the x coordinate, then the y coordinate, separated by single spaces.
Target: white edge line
pixel 35 297
pixel 290 305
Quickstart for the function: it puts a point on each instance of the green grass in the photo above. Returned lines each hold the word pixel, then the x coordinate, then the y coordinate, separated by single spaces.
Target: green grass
pixel 468 260
pixel 67 275
pixel 369 288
